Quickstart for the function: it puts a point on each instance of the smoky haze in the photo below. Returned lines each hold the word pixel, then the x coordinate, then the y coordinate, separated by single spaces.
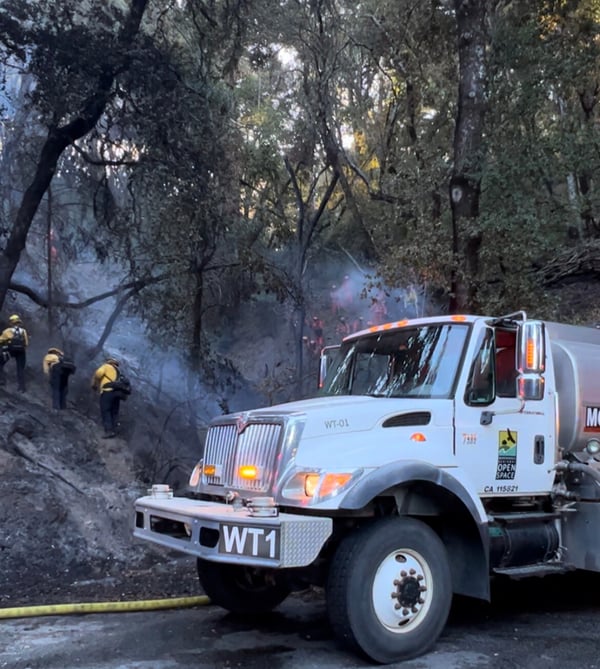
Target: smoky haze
pixel 158 373
pixel 254 356
pixel 348 299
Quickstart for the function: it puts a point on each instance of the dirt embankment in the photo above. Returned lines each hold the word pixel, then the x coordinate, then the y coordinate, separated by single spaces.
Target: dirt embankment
pixel 67 496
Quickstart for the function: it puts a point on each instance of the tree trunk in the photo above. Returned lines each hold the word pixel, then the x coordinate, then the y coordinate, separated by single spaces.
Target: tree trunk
pixel 59 137
pixel 465 182
pixel 196 345
pixel 49 261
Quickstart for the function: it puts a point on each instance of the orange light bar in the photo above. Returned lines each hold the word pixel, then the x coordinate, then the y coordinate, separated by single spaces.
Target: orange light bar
pixel 459 318
pixel 388 326
pixel 530 353
pixel 249 472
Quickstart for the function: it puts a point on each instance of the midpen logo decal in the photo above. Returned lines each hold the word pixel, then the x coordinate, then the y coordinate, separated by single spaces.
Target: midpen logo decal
pixel 507 455
pixel 592 419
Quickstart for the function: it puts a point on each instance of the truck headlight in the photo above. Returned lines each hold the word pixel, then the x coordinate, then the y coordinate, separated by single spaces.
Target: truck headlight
pixel 310 487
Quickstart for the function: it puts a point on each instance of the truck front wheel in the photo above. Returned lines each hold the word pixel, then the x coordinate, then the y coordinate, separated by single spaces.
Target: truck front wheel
pixel 240 589
pixel 389 589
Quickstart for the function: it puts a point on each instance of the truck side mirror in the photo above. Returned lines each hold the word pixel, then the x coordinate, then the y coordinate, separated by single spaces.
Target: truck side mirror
pixel 327 356
pixel 531 360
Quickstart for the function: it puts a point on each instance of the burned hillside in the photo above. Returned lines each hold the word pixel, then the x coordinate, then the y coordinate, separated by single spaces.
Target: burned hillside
pixel 67 493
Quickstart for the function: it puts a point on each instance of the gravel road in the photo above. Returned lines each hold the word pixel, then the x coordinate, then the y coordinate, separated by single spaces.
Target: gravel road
pixel 549 623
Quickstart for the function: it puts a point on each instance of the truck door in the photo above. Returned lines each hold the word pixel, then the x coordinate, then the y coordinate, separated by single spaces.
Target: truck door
pixel 505 446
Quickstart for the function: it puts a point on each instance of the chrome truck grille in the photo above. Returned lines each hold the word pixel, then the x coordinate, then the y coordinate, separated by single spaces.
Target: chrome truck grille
pixel 228 450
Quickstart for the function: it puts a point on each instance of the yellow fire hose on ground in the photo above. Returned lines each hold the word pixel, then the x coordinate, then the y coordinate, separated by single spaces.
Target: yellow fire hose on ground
pixel 103 607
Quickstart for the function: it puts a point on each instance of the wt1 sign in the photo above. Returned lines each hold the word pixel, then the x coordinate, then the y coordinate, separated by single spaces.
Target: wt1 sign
pixel 261 542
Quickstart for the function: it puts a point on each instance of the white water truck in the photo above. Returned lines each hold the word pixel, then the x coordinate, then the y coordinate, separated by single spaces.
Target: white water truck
pixel 438 453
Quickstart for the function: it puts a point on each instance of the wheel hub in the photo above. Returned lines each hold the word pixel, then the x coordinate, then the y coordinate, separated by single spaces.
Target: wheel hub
pixel 408 591
pixel 402 590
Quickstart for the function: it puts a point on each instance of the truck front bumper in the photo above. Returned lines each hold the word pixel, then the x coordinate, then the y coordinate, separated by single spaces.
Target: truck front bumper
pixel 220 533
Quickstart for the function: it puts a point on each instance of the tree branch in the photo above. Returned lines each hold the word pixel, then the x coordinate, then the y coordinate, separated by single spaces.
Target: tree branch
pixel 582 263
pixel 136 285
pixel 110 322
pixel 61 136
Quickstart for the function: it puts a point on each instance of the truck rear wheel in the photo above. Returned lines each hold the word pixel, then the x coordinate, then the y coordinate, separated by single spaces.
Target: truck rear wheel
pixel 389 589
pixel 240 589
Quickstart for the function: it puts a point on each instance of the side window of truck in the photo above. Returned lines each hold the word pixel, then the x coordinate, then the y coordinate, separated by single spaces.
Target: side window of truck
pixel 480 386
pixel 506 366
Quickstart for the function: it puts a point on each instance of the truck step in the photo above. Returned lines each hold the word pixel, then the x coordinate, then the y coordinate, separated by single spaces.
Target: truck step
pixel 541 569
pixel 525 517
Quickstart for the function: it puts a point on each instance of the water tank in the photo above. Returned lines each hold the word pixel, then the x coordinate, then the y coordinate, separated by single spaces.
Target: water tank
pixel 575 353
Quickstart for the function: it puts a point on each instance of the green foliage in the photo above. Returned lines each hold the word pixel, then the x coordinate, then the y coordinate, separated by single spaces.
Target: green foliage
pixel 542 154
pixel 242 143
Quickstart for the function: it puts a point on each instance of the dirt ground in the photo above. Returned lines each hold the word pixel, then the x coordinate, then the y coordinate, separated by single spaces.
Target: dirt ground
pixel 162 577
pixel 546 623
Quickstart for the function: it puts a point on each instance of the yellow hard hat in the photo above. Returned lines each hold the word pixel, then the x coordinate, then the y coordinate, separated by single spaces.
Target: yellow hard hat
pixel 14 319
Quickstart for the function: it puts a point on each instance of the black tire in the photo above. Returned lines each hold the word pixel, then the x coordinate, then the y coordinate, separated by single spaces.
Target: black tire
pixel 382 566
pixel 240 589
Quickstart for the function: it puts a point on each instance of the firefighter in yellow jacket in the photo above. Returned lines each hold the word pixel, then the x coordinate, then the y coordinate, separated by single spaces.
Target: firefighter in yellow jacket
pixel 110 400
pixel 14 341
pixel 57 368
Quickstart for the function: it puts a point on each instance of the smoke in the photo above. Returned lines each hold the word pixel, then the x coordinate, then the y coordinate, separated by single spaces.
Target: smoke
pixel 346 299
pixel 255 352
pixel 159 374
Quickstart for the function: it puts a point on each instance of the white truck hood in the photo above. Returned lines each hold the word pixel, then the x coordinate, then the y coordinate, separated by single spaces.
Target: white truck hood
pixel 369 431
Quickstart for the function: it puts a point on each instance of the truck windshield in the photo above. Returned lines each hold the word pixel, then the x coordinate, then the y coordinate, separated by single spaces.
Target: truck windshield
pixel 410 362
